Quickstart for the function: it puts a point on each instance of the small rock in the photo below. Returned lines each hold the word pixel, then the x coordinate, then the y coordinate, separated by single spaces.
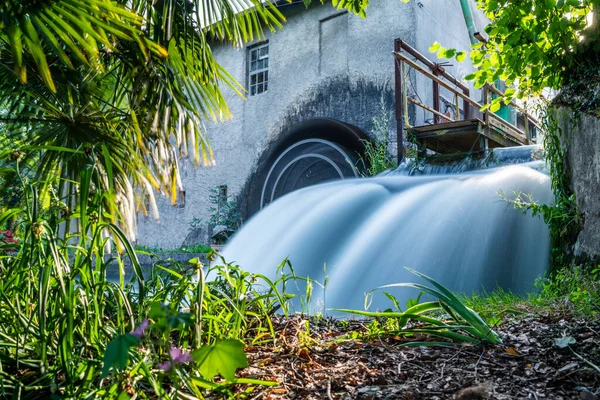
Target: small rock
pixel 585 395
pixel 480 392
pixel 567 367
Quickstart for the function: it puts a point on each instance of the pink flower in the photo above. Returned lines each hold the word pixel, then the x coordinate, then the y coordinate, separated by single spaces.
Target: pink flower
pixel 139 331
pixel 178 357
pixel 7 237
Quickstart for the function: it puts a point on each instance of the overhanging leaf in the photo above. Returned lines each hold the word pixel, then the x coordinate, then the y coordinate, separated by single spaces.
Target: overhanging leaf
pixel 117 353
pixel 224 358
pixel 495 106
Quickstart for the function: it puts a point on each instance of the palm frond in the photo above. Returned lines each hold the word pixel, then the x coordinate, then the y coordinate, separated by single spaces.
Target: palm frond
pixel 66 30
pixel 123 86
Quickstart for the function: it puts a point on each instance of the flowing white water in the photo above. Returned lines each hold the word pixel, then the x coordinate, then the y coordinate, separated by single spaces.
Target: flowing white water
pixel 454 228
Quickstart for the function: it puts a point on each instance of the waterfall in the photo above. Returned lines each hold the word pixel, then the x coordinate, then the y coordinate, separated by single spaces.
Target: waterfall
pixel 447 222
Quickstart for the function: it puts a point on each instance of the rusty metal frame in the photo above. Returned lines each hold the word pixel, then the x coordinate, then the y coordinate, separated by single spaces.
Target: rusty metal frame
pixel 440 77
pixel 401 100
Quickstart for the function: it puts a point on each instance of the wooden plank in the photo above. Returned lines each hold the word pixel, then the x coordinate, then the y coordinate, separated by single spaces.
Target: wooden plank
pixel 446 132
pixel 499 139
pixel 448 125
pixel 496 122
pixel 435 112
pixel 399 104
pixel 447 144
pixel 436 100
pixel 404 96
pixel 441 147
pixel 450 137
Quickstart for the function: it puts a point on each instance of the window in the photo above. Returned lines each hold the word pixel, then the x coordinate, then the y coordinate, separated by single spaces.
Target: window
pixel 258 68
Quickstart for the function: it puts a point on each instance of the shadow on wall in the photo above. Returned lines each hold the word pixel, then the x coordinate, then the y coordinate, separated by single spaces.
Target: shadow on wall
pixel 321 139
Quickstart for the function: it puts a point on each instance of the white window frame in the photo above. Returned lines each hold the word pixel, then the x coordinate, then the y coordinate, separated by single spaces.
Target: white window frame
pixel 258 68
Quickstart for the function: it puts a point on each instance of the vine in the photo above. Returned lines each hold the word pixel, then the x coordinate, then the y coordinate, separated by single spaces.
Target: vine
pixel 563 217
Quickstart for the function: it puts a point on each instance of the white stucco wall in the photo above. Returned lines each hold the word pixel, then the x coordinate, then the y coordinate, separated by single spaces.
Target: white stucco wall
pixel 319 53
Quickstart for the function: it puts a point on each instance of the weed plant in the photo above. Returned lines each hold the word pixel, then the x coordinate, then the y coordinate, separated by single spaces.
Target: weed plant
pixel 446 318
pixel 377 157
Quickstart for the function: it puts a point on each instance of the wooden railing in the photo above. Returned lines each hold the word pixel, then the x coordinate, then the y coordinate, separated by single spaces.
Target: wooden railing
pixel 440 78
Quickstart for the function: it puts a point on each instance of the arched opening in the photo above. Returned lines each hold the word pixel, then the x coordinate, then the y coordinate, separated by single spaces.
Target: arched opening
pixel 305 163
pixel 310 153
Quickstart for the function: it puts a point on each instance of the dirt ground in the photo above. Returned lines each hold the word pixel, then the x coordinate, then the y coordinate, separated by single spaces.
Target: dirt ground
pixel 323 363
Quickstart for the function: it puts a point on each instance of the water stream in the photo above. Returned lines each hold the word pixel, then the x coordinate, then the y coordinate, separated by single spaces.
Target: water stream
pixel 447 221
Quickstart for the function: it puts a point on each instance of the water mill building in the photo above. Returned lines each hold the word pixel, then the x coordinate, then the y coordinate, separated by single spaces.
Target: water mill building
pixel 314 88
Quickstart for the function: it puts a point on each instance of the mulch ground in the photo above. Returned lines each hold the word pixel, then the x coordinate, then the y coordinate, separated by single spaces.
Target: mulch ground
pixel 322 363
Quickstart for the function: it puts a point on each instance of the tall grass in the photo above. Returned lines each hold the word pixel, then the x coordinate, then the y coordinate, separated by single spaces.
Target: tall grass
pixel 59 311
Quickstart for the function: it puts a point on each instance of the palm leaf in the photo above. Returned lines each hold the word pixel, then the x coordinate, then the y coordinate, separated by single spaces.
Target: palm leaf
pixel 48 29
pixel 120 85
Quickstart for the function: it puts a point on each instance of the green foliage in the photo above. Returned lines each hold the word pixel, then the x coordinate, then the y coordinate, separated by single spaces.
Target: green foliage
pixel 413 301
pixel 377 157
pixel 125 85
pixel 563 217
pixel 76 330
pixel 32 28
pixel 535 44
pixel 464 325
pixel 224 357
pixel 568 290
pixel 578 286
pixel 195 223
pixel 117 353
pixel 358 7
pixel 83 32
pixel 443 52
pixel 494 306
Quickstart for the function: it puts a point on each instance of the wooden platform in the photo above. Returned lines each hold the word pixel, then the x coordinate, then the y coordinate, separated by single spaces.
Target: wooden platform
pixel 468 135
pixel 454 135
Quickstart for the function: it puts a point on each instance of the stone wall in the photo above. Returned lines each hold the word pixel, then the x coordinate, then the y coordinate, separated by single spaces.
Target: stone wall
pixel 581 141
